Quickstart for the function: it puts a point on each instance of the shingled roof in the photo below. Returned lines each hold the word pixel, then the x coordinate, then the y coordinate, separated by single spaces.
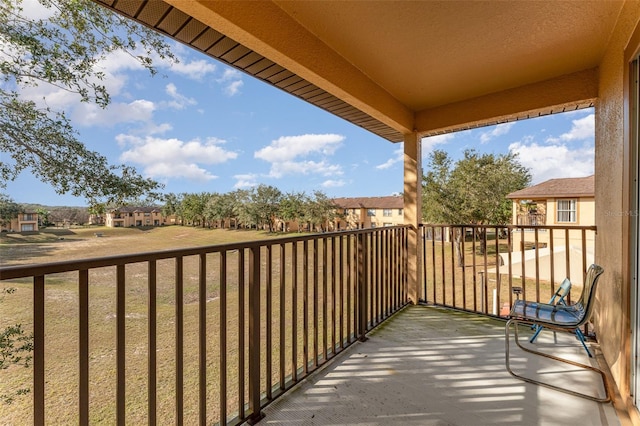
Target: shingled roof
pixel 557 188
pixel 390 202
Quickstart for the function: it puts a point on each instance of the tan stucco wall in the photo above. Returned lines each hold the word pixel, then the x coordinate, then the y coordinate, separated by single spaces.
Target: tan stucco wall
pixel 611 319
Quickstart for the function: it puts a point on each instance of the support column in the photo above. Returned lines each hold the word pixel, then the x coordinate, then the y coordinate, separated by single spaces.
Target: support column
pixel 413 211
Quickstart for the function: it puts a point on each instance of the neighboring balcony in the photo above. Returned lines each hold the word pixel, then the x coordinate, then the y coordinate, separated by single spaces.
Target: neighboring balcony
pixel 531 219
pixel 255 319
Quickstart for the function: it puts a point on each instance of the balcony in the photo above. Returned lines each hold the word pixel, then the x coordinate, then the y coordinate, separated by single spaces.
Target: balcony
pixel 255 319
pixel 532 219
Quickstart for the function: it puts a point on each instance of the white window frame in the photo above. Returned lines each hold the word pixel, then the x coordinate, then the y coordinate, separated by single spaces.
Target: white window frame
pixel 567 210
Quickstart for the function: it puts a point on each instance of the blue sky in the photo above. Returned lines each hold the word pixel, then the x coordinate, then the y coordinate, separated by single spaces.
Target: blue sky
pixel 202 126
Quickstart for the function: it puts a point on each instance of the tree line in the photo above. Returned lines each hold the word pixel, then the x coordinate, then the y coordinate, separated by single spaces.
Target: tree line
pixel 263 206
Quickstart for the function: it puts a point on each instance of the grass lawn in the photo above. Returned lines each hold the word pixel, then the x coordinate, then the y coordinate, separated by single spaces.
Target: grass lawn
pixel 61 326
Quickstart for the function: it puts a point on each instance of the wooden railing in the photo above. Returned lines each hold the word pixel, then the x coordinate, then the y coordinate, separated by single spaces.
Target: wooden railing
pixel 228 328
pixel 532 219
pixel 476 268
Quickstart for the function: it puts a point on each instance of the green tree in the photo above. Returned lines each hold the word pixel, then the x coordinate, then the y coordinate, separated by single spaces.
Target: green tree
pixel 8 210
pixel 292 208
pixel 471 191
pixel 193 208
pixel 320 210
pixel 265 204
pixel 63 50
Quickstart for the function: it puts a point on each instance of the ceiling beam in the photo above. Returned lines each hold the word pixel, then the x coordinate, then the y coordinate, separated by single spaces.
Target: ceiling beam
pixel 535 99
pixel 269 31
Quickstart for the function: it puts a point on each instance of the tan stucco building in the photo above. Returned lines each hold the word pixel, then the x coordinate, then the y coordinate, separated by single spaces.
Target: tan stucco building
pixel 369 212
pixel 135 216
pixel 565 201
pixel 25 222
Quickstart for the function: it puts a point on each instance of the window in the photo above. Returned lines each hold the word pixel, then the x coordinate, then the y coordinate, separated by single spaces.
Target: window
pixel 386 212
pixel 400 212
pixel 346 211
pixel 371 212
pixel 566 211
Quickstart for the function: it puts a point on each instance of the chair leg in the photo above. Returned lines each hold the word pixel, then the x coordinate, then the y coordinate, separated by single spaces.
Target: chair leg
pixel 580 337
pixel 516 322
pixel 538 329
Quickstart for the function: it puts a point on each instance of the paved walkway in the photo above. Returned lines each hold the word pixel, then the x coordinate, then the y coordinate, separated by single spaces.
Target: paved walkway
pixel 436 367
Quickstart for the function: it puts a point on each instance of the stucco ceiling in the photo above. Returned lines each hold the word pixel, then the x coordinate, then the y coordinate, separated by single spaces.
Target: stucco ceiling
pixel 395 67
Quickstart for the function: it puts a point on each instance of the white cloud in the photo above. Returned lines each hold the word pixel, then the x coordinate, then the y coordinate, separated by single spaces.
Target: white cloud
pixel 331 183
pixel 498 130
pixel 287 148
pixel 284 168
pixel 429 144
pixel 92 115
pixel 288 155
pixel 231 80
pixel 581 129
pixel 554 161
pixel 195 70
pixel 246 181
pixel 233 88
pixel 398 157
pixel 163 158
pixel 178 101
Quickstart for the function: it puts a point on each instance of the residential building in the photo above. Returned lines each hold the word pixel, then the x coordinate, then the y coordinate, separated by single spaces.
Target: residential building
pixel 369 212
pixel 567 201
pixel 135 216
pixel 25 222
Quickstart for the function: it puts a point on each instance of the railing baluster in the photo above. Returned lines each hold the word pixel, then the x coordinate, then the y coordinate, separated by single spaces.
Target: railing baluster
pixel 333 295
pixel 316 253
pixel 552 264
pixel 324 300
pixel 152 342
pixel 341 275
pixel 283 346
pixel 120 345
pixel 305 305
pixel 537 263
pixel 38 350
pixel 464 272
pixel 202 340
pixel 223 338
pixel 453 265
pixel 349 282
pixel 433 256
pixel 254 335
pixel 294 312
pixel 179 308
pixel 241 333
pixel 269 321
pixel 83 326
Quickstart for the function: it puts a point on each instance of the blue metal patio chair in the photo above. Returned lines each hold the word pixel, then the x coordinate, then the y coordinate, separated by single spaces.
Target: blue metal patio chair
pixel 558 298
pixel 559 317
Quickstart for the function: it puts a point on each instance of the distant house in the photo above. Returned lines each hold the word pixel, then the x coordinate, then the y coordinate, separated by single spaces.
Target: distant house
pixel 135 216
pixel 568 201
pixel 25 222
pixel 565 202
pixel 369 212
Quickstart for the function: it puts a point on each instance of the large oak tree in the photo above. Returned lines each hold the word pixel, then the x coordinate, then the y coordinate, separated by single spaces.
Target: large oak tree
pixel 63 49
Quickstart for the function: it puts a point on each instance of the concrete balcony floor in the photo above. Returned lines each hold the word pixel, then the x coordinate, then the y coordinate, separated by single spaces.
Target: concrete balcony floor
pixel 431 366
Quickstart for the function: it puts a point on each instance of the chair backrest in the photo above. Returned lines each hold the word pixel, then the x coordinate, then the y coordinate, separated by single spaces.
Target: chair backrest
pixel 561 293
pixel 588 296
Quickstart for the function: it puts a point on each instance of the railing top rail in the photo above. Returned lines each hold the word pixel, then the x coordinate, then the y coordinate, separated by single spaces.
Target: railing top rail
pixel 31 270
pixel 450 225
